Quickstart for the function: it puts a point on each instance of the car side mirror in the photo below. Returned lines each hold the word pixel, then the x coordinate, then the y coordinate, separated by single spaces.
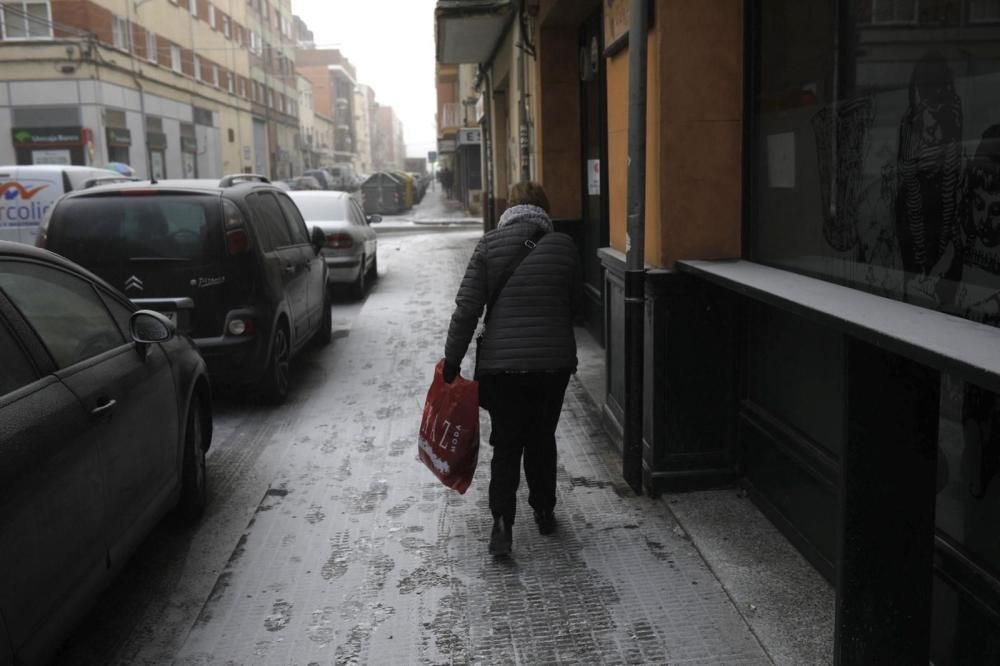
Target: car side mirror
pixel 148 326
pixel 318 239
pixel 374 218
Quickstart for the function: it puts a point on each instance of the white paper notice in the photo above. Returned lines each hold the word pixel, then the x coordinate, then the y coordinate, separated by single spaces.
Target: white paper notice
pixel 781 160
pixel 594 177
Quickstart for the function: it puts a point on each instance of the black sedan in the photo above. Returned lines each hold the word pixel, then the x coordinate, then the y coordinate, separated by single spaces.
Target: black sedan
pixel 105 419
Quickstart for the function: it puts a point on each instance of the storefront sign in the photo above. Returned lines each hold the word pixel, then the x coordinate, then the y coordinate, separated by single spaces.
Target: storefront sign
pixel 432 156
pixel 119 137
pixel 446 145
pixel 469 136
pixel 156 140
pixel 27 137
pixel 189 144
pixel 50 157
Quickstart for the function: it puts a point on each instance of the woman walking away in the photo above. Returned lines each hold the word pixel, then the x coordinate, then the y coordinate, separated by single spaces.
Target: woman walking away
pixel 527 277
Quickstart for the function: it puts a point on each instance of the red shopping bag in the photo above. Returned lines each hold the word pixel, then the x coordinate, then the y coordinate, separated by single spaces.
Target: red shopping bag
pixel 449 430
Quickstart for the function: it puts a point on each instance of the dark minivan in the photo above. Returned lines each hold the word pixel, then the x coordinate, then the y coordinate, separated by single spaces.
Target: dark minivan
pixel 230 261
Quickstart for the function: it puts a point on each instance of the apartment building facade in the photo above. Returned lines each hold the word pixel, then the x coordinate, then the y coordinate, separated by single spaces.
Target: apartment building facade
pixel 174 88
pixel 459 139
pixel 364 121
pixel 334 81
pixel 389 146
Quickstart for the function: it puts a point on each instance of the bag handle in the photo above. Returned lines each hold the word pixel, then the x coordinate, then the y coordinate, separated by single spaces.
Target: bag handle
pixel 528 246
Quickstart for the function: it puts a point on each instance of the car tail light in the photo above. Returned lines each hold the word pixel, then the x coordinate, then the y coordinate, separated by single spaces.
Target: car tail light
pixel 237 241
pixel 339 241
pixel 241 326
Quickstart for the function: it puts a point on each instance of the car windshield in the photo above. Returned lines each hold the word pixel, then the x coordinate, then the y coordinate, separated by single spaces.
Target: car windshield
pixel 161 227
pixel 320 209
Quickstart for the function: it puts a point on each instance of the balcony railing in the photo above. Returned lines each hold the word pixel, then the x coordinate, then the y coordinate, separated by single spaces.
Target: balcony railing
pixel 451 116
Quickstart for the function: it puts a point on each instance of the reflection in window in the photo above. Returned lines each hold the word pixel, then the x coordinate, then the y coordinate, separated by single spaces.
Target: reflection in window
pixel 877 166
pixel 65 312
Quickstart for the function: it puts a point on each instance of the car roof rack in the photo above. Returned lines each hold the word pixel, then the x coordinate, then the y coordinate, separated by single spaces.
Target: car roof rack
pixel 229 181
pixel 106 180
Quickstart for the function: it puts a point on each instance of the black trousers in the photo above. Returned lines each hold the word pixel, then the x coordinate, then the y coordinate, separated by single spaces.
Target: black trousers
pixel 524 412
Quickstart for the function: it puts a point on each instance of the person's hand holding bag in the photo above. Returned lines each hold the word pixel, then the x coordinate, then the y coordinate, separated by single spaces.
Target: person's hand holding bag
pixel 449 372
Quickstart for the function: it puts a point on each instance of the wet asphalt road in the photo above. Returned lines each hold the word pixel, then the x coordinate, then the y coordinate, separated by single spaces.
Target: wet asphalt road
pixel 148 613
pixel 326 542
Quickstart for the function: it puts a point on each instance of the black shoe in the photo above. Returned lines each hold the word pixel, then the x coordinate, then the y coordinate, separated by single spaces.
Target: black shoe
pixel 546 521
pixel 500 538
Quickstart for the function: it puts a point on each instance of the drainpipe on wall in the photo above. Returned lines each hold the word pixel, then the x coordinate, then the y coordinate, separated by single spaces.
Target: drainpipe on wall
pixel 635 240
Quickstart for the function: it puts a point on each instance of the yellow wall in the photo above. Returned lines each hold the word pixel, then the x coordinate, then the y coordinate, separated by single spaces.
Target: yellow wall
pixel 701 67
pixel 693 133
pixel 557 131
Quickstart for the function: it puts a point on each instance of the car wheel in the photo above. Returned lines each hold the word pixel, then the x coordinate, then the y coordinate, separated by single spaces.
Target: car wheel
pixel 194 480
pixel 358 286
pixel 325 333
pixel 276 380
pixel 373 271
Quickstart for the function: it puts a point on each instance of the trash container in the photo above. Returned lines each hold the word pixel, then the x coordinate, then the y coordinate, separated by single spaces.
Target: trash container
pixel 406 179
pixel 383 193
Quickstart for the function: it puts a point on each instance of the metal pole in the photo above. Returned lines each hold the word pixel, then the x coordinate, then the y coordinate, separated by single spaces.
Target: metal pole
pixel 635 239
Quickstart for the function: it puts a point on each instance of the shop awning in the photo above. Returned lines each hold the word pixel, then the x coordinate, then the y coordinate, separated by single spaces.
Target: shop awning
pixel 468 30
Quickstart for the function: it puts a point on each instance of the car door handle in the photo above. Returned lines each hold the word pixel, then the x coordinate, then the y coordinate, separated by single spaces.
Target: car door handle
pixel 103 408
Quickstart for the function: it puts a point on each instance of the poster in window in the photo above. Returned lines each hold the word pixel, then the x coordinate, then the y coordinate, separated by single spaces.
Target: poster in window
pixel 50 157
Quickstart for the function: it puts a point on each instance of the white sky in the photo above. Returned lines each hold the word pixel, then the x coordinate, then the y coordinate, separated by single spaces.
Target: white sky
pixel 391 45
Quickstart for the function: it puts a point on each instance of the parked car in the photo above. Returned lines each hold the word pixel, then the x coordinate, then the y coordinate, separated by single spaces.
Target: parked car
pixel 351 246
pixel 27 192
pixel 321 176
pixel 106 419
pixel 304 183
pixel 231 261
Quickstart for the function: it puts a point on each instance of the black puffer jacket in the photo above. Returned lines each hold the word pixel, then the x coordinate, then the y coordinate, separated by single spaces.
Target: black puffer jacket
pixel 531 326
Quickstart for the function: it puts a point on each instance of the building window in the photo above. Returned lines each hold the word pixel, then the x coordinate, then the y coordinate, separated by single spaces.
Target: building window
pixel 121 36
pixel 255 43
pixel 239 35
pixel 151 46
pixel 242 87
pixel 226 29
pixel 215 75
pixel 197 68
pixel 875 164
pixel 175 58
pixel 193 6
pixel 984 11
pixel 895 11
pixel 211 15
pixel 230 83
pixel 26 20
